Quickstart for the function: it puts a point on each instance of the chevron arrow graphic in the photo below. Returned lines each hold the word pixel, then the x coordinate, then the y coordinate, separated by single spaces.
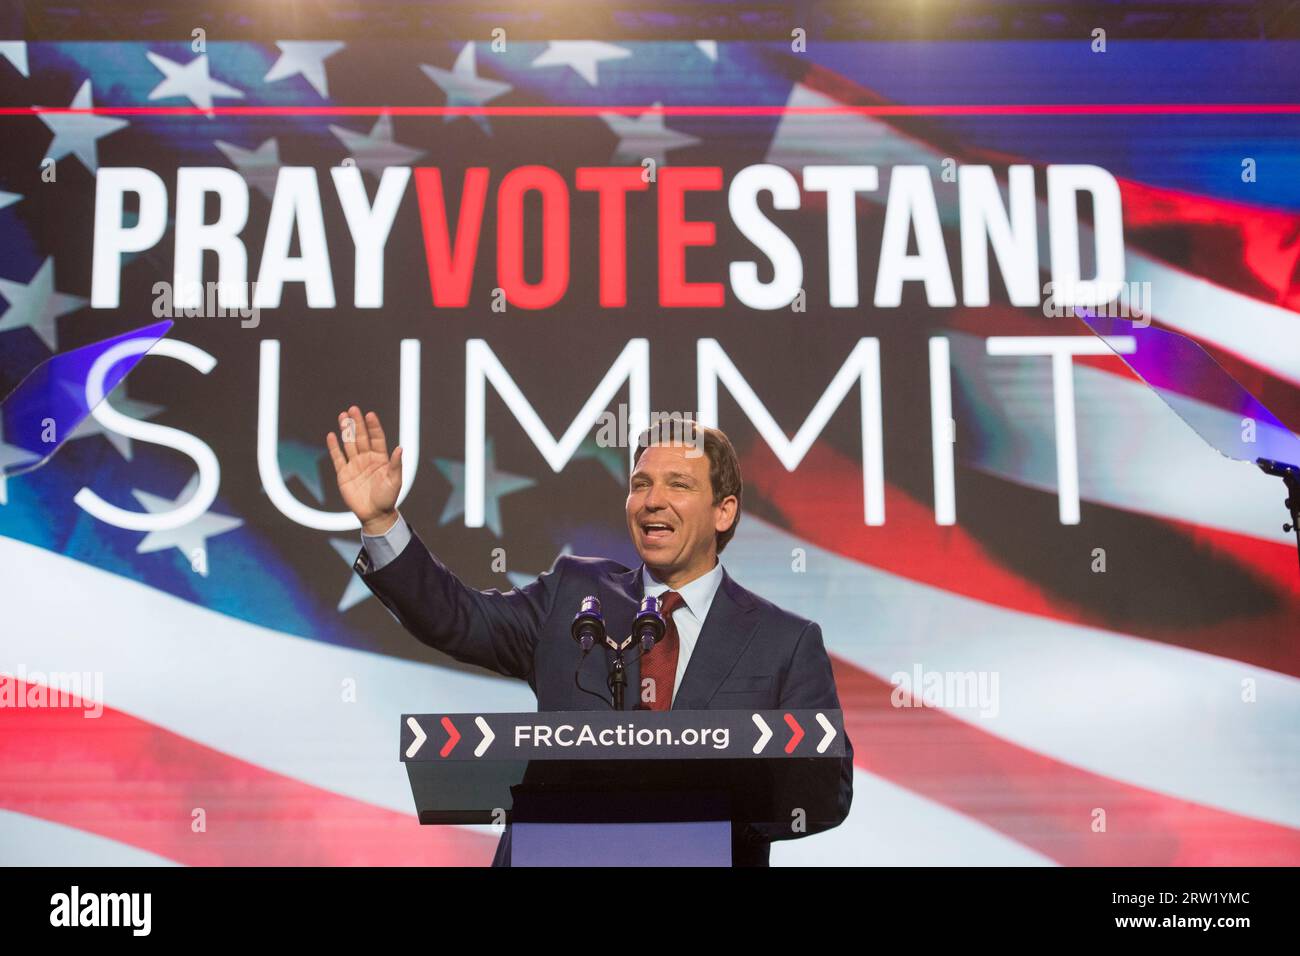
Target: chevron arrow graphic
pixel 453 737
pixel 420 737
pixel 765 734
pixel 488 737
pixel 797 733
pixel 830 733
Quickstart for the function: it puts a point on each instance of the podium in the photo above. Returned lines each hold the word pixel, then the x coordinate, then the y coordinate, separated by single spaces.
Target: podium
pixel 1208 399
pixel 629 788
pixel 39 415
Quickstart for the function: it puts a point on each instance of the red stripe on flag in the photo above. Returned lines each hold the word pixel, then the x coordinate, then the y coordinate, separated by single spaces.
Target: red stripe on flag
pixel 1254 250
pixel 821 502
pixel 1278 395
pixel 137 783
pixel 1043 803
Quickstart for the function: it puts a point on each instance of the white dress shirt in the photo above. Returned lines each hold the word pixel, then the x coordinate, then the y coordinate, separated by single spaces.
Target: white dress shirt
pixel 697 596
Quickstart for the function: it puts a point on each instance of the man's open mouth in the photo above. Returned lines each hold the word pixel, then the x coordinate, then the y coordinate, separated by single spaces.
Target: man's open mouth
pixel 656 529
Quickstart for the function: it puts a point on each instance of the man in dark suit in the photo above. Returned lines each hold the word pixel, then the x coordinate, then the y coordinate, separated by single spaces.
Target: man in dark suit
pixel 725 648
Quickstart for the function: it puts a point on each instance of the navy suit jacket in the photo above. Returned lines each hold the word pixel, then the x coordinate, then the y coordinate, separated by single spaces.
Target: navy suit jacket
pixel 750 653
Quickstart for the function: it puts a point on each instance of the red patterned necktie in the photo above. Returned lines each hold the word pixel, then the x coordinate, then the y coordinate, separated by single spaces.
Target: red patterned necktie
pixel 659 667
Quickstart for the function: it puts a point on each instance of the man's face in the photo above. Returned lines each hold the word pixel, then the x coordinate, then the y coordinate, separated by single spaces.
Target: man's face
pixel 670 511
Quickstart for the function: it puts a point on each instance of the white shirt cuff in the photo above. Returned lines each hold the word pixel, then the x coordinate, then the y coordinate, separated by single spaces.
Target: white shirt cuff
pixel 386 547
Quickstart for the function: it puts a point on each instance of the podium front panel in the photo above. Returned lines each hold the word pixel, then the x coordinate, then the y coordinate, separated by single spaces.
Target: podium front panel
pixel 772 767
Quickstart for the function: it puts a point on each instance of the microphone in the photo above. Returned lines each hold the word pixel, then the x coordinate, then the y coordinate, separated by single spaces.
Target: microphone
pixel 588 624
pixel 649 625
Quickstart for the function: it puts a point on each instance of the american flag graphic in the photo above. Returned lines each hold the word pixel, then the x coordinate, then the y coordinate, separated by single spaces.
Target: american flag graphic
pixel 245 686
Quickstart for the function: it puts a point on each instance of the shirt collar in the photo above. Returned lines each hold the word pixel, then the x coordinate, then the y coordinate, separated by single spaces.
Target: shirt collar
pixel 697 596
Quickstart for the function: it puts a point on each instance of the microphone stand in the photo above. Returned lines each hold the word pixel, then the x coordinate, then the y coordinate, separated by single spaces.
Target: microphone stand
pixel 618 674
pixel 1290 475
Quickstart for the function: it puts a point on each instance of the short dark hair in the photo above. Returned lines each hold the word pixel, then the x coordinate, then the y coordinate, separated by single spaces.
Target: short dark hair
pixel 724 465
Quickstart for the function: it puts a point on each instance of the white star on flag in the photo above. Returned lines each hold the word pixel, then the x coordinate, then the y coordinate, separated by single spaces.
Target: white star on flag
pixel 582 55
pixel 812 139
pixel 12 458
pixel 134 408
pixel 496 485
pixel 301 459
pixel 356 591
pixel 37 305
pixel 306 58
pixel 190 80
pixel 611 458
pixel 190 539
pixel 8 199
pixel 260 167
pixel 376 150
pixel 464 87
pixel 15 51
pixel 520 579
pixel 76 133
pixel 709 48
pixel 645 136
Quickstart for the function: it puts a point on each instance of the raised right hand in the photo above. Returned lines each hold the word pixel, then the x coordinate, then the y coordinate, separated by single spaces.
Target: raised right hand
pixel 368 478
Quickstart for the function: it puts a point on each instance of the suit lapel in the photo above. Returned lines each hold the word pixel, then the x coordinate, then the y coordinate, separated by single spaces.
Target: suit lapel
pixel 727 631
